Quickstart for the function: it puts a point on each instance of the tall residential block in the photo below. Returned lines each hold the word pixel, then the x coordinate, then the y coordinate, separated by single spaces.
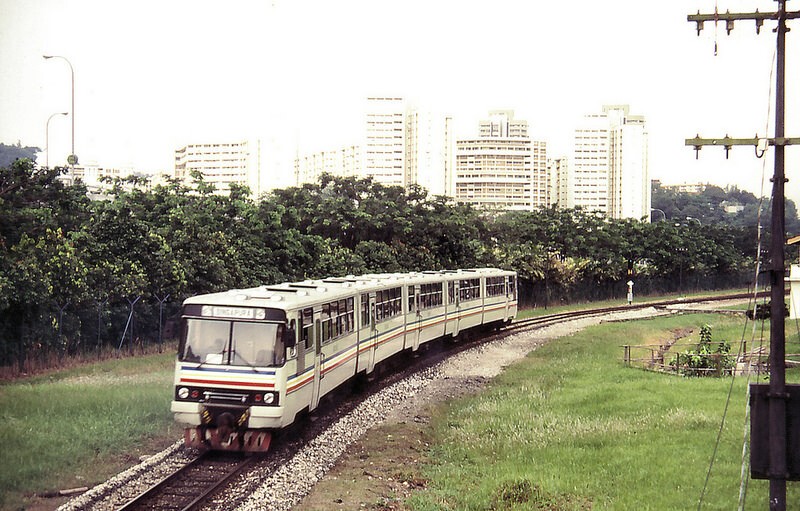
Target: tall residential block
pixel 401 145
pixel 345 161
pixel 608 171
pixel 384 150
pixel 429 152
pixel 222 164
pixel 558 182
pixel 502 168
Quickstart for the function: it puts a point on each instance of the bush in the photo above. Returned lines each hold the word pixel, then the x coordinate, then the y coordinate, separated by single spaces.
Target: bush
pixel 708 359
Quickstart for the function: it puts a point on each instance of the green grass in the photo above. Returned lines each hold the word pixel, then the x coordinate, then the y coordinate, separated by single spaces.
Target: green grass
pixel 69 428
pixel 579 431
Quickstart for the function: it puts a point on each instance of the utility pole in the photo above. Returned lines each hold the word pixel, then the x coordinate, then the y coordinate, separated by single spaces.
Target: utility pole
pixel 777 466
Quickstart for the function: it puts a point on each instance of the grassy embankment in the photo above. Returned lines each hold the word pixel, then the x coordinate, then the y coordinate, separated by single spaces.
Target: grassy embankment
pixel 572 428
pixel 78 427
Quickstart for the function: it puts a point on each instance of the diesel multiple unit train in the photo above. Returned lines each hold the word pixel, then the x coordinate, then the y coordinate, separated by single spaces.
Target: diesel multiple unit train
pixel 250 360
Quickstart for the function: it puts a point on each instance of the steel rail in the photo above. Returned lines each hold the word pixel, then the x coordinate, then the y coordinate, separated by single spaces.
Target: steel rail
pixel 568 316
pixel 207 487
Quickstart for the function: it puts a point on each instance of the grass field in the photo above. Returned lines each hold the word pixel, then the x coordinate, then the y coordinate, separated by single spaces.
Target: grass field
pixel 77 427
pixel 571 428
pixel 569 424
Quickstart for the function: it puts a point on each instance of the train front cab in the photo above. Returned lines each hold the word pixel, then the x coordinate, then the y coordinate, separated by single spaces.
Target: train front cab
pixel 230 375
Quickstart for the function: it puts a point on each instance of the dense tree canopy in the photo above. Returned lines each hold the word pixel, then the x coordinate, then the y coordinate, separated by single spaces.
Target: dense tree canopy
pixel 10 153
pixel 64 256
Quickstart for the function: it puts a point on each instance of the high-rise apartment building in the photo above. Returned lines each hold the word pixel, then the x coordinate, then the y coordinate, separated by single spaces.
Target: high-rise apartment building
pixel 429 153
pixel 223 163
pixel 502 168
pixel 339 162
pixel 401 146
pixel 384 150
pixel 558 182
pixel 608 171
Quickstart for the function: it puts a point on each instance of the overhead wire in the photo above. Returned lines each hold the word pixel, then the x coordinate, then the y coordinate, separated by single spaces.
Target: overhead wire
pixel 751 303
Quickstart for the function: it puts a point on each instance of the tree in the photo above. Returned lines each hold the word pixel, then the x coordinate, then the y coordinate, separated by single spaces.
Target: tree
pixel 11 153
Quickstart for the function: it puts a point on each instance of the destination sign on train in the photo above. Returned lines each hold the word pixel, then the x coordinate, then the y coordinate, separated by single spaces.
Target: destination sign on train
pixel 233 312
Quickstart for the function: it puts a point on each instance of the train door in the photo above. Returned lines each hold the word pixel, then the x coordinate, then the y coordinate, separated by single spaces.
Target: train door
pixel 507 312
pixel 318 359
pixel 457 308
pixel 414 316
pixel 373 334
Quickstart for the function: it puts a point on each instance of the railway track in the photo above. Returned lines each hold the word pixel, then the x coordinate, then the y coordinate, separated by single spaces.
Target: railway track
pixel 550 319
pixel 192 485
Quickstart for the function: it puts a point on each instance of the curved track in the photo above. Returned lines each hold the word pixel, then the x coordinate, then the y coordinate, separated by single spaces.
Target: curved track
pixel 550 319
pixel 192 485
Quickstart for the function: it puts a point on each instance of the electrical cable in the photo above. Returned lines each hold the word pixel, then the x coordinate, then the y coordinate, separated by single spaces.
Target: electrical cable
pixel 752 301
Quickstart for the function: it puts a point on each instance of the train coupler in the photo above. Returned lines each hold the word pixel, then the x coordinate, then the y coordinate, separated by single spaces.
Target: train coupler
pixel 238 441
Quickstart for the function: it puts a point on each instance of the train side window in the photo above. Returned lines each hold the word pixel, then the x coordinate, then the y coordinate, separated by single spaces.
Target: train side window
pixel 351 314
pixel 364 309
pixel 306 324
pixel 325 320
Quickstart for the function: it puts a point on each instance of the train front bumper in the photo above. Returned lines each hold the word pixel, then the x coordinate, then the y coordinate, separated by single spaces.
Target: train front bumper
pixel 259 417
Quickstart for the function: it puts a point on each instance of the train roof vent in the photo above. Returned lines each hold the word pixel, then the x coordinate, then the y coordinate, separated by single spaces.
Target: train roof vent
pixel 315 287
pixel 277 289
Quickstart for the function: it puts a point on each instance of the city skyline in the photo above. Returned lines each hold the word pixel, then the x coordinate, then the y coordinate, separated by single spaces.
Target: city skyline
pixel 150 78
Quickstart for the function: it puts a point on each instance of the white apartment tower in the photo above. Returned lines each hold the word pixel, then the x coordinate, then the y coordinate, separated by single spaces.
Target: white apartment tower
pixel 608 171
pixel 345 161
pixel 429 153
pixel 402 146
pixel 502 168
pixel 384 151
pixel 223 163
pixel 558 182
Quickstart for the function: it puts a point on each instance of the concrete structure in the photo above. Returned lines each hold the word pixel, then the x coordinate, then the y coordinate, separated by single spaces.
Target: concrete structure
pixel 558 182
pixel 384 149
pixel 338 162
pixel 609 167
pixel 401 146
pixel 430 152
pixel 692 188
pixel 223 163
pixel 502 168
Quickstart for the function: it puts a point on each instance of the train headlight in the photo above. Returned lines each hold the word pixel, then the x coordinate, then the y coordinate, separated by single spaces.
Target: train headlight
pixel 269 398
pixel 183 392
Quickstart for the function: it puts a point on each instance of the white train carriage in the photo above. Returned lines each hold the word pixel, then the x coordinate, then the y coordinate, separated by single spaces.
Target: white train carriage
pixel 251 360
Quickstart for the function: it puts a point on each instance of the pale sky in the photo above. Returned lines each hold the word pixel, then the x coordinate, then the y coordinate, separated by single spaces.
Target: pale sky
pixel 152 76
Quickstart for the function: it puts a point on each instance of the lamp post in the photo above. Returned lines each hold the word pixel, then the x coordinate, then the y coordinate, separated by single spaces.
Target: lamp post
pixel 47 137
pixel 661 211
pixel 72 159
pixel 696 220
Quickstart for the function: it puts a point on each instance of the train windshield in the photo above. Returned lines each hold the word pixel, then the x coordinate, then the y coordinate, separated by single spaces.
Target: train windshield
pixel 236 343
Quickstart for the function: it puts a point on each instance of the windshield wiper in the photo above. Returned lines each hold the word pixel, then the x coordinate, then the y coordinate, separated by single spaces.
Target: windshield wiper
pixel 203 362
pixel 247 362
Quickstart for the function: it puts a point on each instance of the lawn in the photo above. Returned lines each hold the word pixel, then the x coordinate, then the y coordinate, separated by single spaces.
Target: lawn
pixel 78 427
pixel 571 428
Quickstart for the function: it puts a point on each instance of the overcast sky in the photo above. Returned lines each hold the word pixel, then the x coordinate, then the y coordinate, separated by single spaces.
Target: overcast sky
pixel 151 76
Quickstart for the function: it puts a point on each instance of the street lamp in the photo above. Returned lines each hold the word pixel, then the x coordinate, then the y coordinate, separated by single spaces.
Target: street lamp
pixel 72 159
pixel 695 219
pixel 47 137
pixel 662 212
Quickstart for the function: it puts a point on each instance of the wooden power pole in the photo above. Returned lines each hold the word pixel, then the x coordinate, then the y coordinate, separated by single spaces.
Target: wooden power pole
pixel 777 470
